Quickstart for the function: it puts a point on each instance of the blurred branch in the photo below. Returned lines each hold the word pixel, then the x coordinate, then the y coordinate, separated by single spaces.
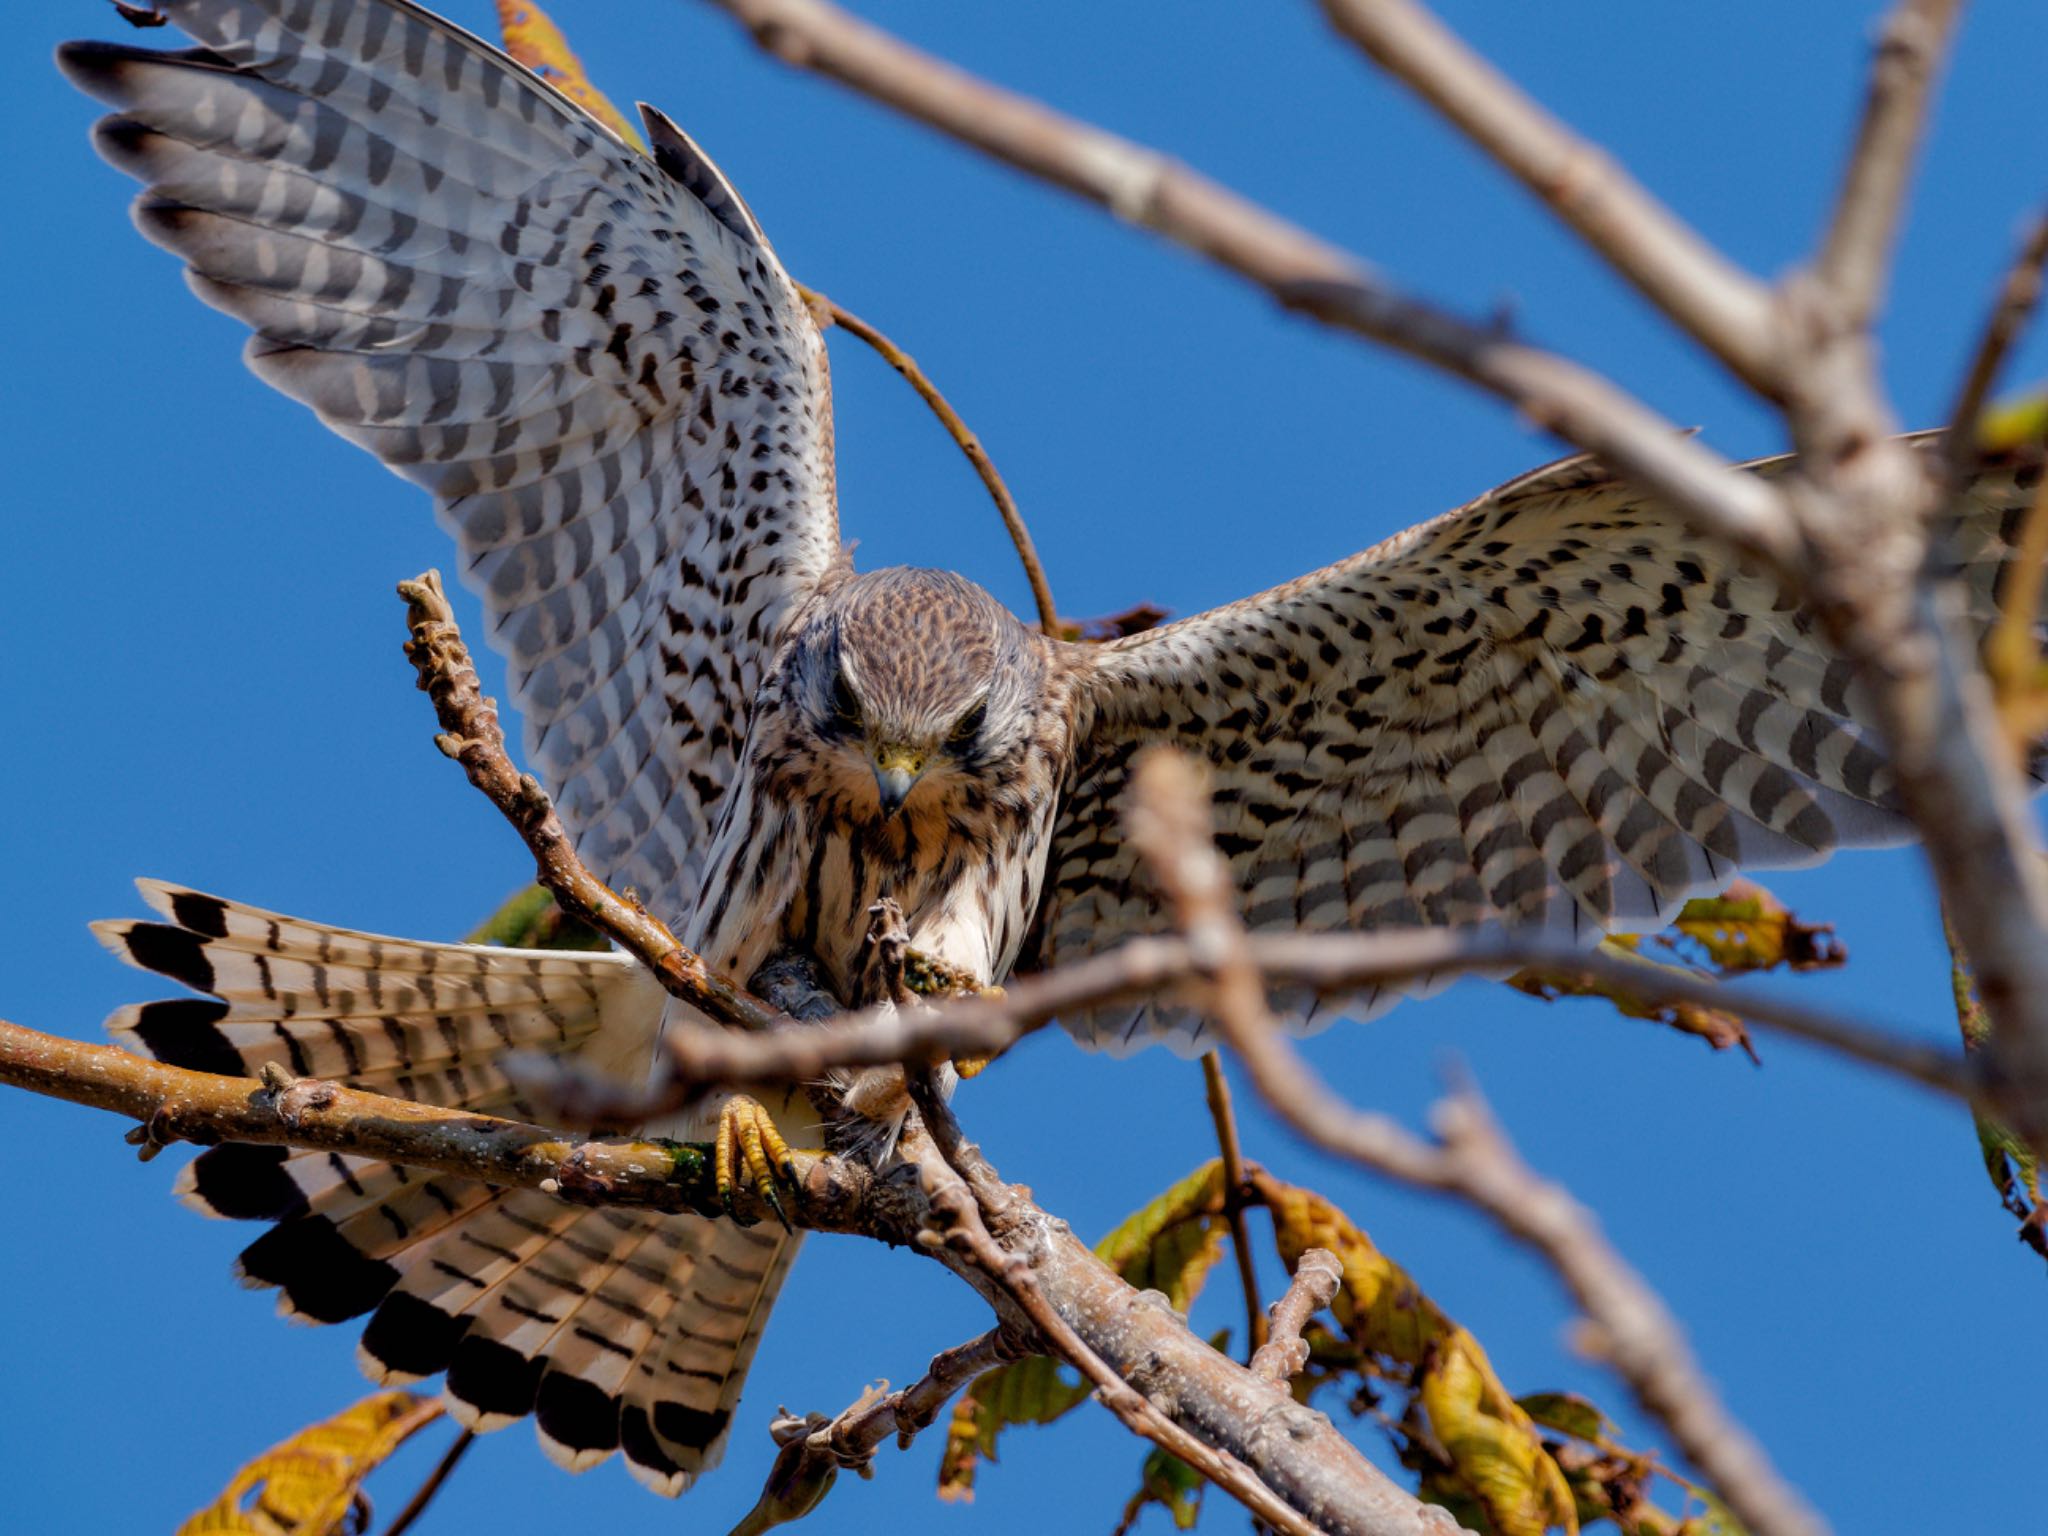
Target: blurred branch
pixel 1144 187
pixel 2018 296
pixel 1169 821
pixel 1725 309
pixel 1856 252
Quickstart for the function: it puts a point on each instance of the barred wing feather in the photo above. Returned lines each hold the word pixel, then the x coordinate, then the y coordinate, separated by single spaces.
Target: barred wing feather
pixel 588 355
pixel 1554 710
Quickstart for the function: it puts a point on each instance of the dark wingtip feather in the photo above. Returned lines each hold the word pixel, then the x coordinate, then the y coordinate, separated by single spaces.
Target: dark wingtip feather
pixel 493 1378
pixel 576 1414
pixel 171 952
pixel 320 1273
pixel 246 1183
pixel 181 1033
pixel 411 1336
pixel 636 1438
pixel 693 1428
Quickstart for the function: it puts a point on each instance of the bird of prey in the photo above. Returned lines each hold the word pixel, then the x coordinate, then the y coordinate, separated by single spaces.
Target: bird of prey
pixel 1553 709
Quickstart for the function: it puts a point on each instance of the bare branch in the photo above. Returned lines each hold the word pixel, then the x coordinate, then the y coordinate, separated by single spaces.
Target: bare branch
pixel 1284 1355
pixel 1329 964
pixel 1149 189
pixel 1856 253
pixel 2017 297
pixel 472 736
pixel 969 444
pixel 961 1222
pixel 1169 821
pixel 1216 1410
pixel 424 1495
pixel 1725 309
pixel 1217 1090
pixel 815 1448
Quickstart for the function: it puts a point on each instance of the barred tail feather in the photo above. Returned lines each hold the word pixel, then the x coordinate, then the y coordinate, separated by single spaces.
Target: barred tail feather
pixel 614 1329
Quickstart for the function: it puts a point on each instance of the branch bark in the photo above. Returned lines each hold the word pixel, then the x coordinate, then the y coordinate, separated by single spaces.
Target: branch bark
pixel 1170 822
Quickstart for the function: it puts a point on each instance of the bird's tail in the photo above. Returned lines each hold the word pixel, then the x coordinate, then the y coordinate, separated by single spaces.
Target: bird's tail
pixel 617 1330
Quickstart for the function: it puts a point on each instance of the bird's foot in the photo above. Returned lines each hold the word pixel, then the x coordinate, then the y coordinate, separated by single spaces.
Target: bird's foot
pixel 750 1149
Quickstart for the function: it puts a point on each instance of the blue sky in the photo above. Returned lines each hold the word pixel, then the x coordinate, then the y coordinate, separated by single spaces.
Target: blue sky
pixel 203 683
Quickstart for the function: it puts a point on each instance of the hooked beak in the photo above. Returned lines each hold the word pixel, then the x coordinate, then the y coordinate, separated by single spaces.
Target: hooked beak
pixel 896 770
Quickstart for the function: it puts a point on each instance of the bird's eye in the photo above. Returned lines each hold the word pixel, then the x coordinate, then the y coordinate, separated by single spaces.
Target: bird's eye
pixel 968 726
pixel 845 707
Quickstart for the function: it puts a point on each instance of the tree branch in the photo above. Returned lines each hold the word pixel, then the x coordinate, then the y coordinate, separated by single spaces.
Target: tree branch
pixel 1284 1355
pixel 472 736
pixel 1217 1090
pixel 1169 821
pixel 1144 187
pixel 1856 252
pixel 970 445
pixel 1292 1459
pixel 1725 309
pixel 815 1448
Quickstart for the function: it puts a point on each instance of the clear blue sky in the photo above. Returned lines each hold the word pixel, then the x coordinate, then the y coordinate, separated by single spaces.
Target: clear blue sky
pixel 203 682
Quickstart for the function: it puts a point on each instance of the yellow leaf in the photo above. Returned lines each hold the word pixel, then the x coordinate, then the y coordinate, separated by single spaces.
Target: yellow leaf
pixel 536 42
pixel 1172 1243
pixel 1034 1391
pixel 1494 1449
pixel 311 1485
pixel 1746 928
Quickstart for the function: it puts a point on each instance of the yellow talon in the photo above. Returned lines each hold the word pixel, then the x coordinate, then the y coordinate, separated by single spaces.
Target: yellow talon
pixel 750 1147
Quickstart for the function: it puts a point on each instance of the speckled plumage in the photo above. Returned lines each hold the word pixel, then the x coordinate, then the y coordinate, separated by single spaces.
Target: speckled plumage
pixel 1553 708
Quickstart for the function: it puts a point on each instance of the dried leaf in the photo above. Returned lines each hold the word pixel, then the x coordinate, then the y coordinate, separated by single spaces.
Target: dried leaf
pixel 1717 1027
pixel 530 920
pixel 311 1485
pixel 1034 1391
pixel 1491 1444
pixel 1134 620
pixel 1746 929
pixel 536 42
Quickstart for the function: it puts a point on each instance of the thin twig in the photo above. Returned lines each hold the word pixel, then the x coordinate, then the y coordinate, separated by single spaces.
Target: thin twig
pixel 1725 309
pixel 424 1494
pixel 815 1448
pixel 1284 1354
pixel 2017 297
pixel 957 1208
pixel 472 736
pixel 969 444
pixel 1169 821
pixel 1224 1117
pixel 1856 252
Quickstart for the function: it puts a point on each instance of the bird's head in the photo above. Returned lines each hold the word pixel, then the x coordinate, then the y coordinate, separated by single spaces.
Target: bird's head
pixel 915 681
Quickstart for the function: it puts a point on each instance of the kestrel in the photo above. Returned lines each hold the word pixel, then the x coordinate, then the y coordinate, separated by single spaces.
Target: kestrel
pixel 1552 709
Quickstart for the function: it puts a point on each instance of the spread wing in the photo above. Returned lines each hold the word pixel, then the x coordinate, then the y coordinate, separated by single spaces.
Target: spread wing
pixel 589 356
pixel 1551 710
